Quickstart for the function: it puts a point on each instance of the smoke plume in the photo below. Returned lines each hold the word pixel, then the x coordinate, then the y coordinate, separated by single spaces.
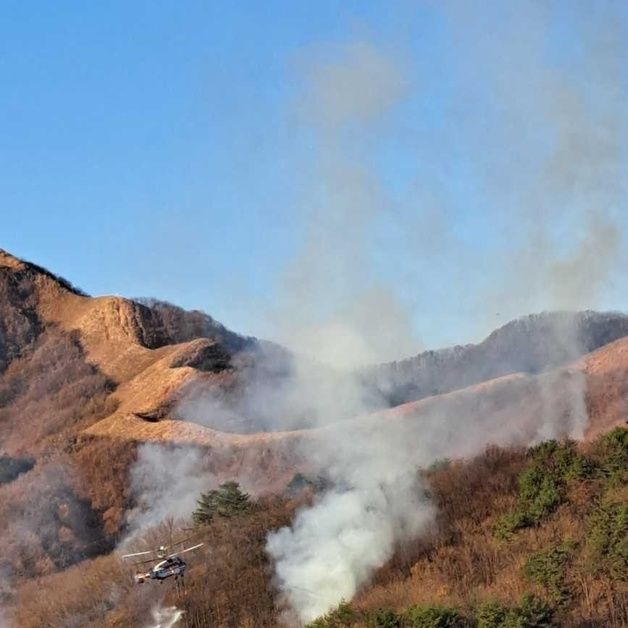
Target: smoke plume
pixel 544 145
pixel 548 147
pixel 565 183
pixel 165 616
pixel 165 482
pixel 332 313
pixel 331 306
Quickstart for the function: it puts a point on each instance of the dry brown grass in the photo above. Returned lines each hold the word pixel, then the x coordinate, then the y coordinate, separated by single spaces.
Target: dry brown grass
pixel 79 596
pixel 53 394
pixel 103 466
pixel 70 504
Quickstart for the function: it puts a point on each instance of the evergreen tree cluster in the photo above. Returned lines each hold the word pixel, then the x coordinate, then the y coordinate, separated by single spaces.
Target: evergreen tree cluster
pixel 225 501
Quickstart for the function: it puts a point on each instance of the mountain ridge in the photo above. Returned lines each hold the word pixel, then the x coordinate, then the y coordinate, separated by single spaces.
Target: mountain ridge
pixel 153 352
pixel 528 344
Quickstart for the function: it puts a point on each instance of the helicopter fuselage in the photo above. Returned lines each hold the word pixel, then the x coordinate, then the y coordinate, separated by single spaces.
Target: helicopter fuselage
pixel 164 569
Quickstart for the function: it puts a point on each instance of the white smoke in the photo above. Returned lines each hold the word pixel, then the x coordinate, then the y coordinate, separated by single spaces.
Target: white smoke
pixel 333 547
pixel 332 311
pixel 165 616
pixel 376 501
pixel 548 150
pixel 331 307
pixel 166 481
pixel 336 309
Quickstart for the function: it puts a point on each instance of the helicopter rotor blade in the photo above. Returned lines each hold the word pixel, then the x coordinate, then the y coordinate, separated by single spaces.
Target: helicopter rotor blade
pixel 189 549
pixel 160 548
pixel 138 554
pixel 158 554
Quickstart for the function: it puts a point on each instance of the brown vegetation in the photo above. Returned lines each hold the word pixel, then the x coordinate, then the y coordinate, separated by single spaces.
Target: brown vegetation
pixel 228 583
pixel 83 380
pixel 51 392
pixel 572 560
pixel 467 563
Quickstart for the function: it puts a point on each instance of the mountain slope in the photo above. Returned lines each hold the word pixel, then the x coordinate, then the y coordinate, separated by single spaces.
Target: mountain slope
pixel 530 344
pixel 83 380
pixel 471 569
pixel 143 354
pixel 147 358
pixel 584 398
pixel 68 361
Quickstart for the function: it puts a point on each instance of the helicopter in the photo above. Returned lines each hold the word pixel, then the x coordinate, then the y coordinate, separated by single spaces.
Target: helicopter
pixel 164 565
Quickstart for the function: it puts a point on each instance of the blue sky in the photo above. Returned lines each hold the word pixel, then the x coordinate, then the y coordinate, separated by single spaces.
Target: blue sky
pixel 159 149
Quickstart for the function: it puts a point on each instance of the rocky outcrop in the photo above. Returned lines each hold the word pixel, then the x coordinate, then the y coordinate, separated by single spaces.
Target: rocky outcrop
pixel 203 355
pixel 178 325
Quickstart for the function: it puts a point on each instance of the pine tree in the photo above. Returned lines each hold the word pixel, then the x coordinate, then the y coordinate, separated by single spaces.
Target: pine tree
pixel 225 501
